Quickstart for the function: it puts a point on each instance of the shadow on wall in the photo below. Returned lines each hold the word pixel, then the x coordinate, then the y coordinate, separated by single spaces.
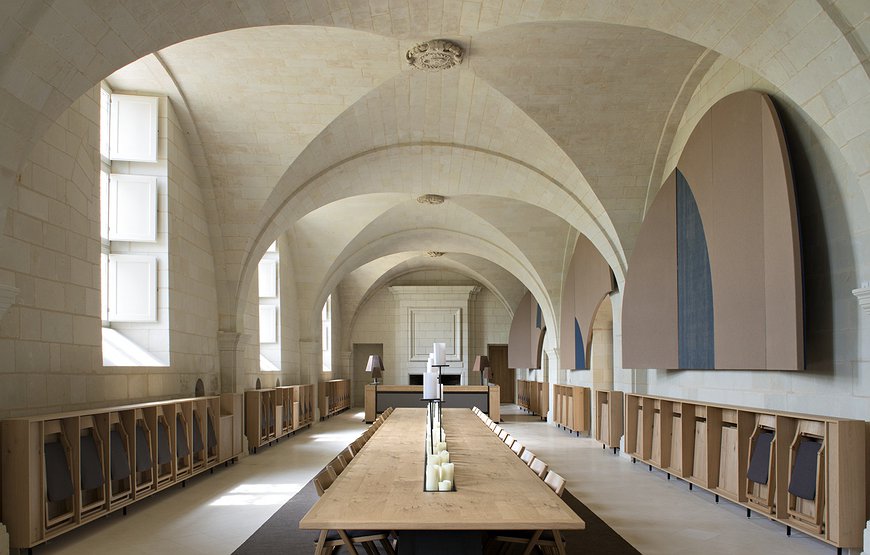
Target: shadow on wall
pixel 829 273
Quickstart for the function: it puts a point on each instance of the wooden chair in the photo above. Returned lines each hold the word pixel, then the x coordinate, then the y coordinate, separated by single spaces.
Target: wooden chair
pixel 492 426
pixel 527 457
pixel 537 538
pixel 327 543
pixel 518 448
pixel 337 466
pixel 509 440
pixel 540 468
pixel 346 456
pixel 503 434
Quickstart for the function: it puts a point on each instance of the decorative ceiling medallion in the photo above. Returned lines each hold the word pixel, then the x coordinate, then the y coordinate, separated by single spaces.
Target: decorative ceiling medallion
pixel 430 199
pixel 435 55
pixel 435 254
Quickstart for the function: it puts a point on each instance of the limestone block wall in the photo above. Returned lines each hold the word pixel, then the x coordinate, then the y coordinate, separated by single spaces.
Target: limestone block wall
pixel 50 340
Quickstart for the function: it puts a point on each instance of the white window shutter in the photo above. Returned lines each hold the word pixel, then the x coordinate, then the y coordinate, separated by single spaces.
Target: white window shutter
pixel 268 324
pixel 132 208
pixel 132 288
pixel 267 273
pixel 133 128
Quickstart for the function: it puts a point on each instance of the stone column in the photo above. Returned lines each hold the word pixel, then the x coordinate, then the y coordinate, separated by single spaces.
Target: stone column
pixel 231 346
pixel 311 368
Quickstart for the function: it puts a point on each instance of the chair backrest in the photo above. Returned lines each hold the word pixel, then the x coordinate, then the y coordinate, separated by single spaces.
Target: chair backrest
pixel 337 466
pixel 488 421
pixel 367 434
pixel 492 425
pixel 527 457
pixel 346 456
pixel 539 467
pixel 358 444
pixel 323 480
pixel 509 440
pixel 475 410
pixel 556 482
pixel 502 434
pixel 518 448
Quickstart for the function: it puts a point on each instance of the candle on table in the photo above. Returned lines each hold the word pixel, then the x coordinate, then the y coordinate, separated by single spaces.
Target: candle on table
pixel 432 476
pixel 445 485
pixel 434 459
pixel 440 446
pixel 439 348
pixel 447 471
pixel 430 386
pixel 445 456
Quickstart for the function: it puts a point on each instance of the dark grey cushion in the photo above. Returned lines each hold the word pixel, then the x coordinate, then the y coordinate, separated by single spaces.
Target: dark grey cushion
pixel 91 467
pixel 803 475
pixel 181 446
pixel 197 435
pixel 759 461
pixel 120 462
pixel 58 480
pixel 143 450
pixel 212 438
pixel 164 455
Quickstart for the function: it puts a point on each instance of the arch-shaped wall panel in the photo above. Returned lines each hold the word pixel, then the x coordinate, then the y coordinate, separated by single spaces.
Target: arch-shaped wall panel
pixel 526 335
pixel 736 168
pixel 587 281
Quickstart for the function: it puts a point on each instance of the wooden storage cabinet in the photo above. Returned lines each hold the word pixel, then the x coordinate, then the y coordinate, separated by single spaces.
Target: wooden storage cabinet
pixel 334 397
pixel 572 408
pixel 271 414
pixel 805 471
pixel 609 424
pixel 534 397
pixel 60 471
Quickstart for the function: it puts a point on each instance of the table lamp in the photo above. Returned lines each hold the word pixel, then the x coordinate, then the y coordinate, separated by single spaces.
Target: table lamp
pixel 376 367
pixel 481 364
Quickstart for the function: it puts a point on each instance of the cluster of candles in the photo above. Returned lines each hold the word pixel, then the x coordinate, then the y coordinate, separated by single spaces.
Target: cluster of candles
pixel 439 469
pixel 431 387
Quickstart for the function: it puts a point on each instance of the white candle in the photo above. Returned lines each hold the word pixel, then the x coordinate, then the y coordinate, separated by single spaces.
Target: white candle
pixel 430 362
pixel 432 475
pixel 434 459
pixel 439 348
pixel 430 386
pixel 440 446
pixel 445 457
pixel 447 471
pixel 445 485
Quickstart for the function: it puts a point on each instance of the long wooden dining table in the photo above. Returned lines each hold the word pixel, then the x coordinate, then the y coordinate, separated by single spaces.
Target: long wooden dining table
pixel 382 487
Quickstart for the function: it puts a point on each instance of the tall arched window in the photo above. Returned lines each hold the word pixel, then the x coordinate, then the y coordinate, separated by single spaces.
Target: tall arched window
pixel 326 335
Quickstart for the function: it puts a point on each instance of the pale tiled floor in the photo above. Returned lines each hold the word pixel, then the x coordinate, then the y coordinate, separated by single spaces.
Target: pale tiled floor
pixel 215 514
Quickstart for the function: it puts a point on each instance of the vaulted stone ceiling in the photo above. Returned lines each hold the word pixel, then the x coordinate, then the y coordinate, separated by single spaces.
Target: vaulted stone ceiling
pixel 548 129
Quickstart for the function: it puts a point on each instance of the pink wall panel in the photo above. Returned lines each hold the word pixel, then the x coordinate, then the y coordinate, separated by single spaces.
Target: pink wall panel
pixel 649 310
pixel 520 352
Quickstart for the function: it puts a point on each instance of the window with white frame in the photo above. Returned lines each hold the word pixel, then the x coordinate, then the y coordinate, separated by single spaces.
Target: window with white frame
pixel 268 286
pixel 133 252
pixel 326 334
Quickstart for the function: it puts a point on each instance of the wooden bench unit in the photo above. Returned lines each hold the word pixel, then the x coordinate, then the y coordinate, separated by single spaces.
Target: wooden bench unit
pixel 334 397
pixel 609 423
pixel 805 471
pixel 379 397
pixel 62 470
pixel 534 397
pixel 273 413
pixel 572 408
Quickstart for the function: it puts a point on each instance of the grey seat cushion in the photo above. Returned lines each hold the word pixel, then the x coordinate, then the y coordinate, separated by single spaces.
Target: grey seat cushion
pixel 143 450
pixel 803 476
pixel 91 466
pixel 120 462
pixel 58 480
pixel 759 462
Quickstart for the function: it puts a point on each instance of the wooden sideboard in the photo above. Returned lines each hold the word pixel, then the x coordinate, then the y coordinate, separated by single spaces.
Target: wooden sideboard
pixel 609 418
pixel 62 470
pixel 810 474
pixel 534 397
pixel 572 408
pixel 334 397
pixel 273 413
pixel 379 397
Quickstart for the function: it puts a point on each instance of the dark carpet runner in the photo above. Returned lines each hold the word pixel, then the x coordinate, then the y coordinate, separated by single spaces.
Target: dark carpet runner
pixel 281 533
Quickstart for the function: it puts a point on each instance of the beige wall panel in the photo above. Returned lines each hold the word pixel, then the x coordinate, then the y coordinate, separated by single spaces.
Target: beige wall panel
pixel 649 314
pixel 591 283
pixel 735 241
pixel 519 343
pixel 783 286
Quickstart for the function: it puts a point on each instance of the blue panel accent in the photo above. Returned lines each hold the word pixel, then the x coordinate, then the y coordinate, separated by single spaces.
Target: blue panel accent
pixel 694 284
pixel 538 318
pixel 579 351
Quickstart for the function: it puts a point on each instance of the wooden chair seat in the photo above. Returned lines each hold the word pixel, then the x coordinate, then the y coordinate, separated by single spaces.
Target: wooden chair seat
pixel 518 448
pixel 527 457
pixel 540 468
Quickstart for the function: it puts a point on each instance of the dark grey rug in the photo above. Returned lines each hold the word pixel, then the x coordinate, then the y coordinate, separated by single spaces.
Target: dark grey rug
pixel 281 533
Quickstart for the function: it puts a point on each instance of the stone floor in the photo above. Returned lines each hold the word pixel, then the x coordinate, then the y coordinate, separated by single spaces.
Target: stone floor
pixel 215 513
